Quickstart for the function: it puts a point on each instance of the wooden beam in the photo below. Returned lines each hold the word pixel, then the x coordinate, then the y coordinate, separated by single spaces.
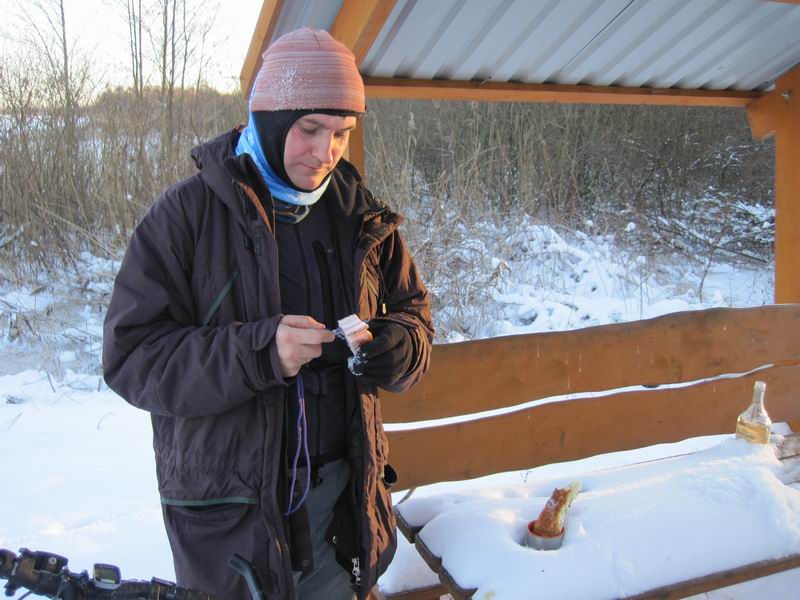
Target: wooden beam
pixel 575 429
pixel 714 581
pixel 379 87
pixel 265 26
pixel 680 347
pixel 778 113
pixel 431 592
pixel 357 25
pixel 359 22
pixel 355 148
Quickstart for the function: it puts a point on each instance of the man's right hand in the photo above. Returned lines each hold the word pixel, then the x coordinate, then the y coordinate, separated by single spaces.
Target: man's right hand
pixel 299 340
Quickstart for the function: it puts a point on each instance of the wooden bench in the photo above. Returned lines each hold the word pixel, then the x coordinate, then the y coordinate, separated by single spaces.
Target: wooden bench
pixel 687 374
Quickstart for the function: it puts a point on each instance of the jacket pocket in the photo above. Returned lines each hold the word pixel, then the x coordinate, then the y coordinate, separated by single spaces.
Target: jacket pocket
pixel 210 513
pixel 344 535
pixel 216 294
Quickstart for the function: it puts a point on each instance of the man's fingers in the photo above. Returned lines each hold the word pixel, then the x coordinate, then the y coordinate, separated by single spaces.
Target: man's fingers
pixel 293 336
pixel 303 329
pixel 299 339
pixel 301 321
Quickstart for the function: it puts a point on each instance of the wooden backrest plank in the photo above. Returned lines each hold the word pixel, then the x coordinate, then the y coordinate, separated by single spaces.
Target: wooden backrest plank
pixel 575 429
pixel 480 375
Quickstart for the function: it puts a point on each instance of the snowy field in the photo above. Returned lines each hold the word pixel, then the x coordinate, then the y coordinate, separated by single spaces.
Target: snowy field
pixel 78 471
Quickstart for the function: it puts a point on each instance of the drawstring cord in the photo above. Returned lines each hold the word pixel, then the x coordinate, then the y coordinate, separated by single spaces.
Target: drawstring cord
pixel 302 440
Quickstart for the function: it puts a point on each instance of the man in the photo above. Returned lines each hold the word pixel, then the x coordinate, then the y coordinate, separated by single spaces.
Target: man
pixel 220 325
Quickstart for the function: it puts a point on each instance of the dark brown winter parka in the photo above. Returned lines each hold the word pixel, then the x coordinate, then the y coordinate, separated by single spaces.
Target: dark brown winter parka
pixel 215 391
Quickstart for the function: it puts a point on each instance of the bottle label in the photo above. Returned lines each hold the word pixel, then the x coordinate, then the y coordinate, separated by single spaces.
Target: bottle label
pixel 753 433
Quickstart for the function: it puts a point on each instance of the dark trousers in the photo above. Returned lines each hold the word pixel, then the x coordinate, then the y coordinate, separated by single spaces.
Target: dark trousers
pixel 203 540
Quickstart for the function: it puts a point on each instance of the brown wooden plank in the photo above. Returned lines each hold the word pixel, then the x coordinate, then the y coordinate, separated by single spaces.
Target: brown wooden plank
pixel 721 579
pixel 355 149
pixel 417 89
pixel 787 189
pixel 435 564
pixel 432 592
pixel 267 19
pixel 480 375
pixel 779 113
pixel 574 429
pixel 409 531
pixel 359 22
pixel 760 116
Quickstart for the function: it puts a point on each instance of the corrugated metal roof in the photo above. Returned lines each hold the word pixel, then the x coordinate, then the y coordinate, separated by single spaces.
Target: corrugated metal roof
pixel 685 44
pixel 317 14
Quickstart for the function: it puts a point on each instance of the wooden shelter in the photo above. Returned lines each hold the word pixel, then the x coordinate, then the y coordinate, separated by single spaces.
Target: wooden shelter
pixel 727 53
pixel 735 53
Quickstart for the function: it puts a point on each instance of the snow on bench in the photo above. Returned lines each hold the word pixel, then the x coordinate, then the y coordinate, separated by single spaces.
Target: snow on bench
pixel 514 403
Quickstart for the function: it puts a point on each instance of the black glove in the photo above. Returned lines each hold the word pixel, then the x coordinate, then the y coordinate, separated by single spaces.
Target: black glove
pixel 388 356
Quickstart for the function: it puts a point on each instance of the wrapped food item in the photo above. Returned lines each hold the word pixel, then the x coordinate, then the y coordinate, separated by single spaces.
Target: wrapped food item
pixel 547 531
pixel 551 519
pixel 354 331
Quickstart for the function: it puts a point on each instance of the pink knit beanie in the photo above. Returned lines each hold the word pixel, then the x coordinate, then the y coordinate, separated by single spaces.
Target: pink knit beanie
pixel 308 69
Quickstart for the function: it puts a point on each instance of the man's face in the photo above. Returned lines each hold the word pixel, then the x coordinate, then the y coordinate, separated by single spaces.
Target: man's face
pixel 314 144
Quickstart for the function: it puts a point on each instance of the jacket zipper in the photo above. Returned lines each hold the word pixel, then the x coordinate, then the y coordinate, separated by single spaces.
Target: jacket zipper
pixel 356 570
pixel 324 268
pixel 305 268
pixel 360 262
pixel 268 220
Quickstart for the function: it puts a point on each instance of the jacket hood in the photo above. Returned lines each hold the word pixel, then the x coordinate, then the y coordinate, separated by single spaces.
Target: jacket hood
pixel 212 152
pixel 221 170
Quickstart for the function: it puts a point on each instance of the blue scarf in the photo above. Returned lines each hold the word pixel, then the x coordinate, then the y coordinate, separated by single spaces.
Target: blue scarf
pixel 249 144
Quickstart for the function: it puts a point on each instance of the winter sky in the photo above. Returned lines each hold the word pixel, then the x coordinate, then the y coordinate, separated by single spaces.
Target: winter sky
pixel 97 29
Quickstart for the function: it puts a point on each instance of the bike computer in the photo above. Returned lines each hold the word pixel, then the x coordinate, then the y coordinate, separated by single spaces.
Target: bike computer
pixel 107 577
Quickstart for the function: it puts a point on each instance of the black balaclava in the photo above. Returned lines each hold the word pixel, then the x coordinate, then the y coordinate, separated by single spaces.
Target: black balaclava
pixel 272 127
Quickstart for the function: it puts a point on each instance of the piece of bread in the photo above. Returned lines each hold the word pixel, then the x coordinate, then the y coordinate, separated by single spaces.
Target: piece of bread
pixel 551 520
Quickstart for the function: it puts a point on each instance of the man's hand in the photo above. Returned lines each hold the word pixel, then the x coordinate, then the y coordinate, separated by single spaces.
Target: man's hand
pixel 299 339
pixel 388 356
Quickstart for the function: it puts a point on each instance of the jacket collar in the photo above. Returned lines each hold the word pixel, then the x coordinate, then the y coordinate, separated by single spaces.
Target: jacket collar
pixel 223 171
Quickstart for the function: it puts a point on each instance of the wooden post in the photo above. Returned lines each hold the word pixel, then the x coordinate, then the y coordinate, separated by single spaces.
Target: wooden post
pixel 778 113
pixel 359 22
pixel 265 26
pixel 357 25
pixel 355 149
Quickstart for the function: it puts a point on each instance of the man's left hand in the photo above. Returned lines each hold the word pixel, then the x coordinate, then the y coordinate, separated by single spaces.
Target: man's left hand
pixel 388 356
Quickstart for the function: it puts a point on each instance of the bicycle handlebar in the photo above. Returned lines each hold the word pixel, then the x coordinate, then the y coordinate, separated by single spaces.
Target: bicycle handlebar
pixel 6 563
pixel 46 574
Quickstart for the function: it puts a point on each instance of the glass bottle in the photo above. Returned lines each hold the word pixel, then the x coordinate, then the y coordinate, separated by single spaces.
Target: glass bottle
pixel 754 423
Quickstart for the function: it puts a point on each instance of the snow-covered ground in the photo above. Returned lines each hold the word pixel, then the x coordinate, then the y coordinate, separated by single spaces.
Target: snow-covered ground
pixel 78 470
